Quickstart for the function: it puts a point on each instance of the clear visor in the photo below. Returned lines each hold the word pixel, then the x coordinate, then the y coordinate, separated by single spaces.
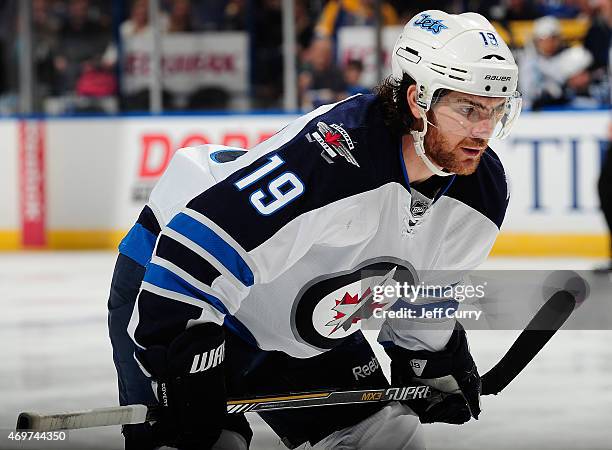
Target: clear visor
pixel 489 118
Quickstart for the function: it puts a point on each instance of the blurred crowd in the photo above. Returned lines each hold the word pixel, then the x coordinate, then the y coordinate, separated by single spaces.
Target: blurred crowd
pixel 562 48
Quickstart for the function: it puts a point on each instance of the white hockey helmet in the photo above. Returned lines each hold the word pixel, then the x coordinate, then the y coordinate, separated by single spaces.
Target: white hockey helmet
pixel 461 53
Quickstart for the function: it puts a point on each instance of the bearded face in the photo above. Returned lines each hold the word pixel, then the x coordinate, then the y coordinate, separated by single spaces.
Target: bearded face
pixel 460 126
pixel 457 154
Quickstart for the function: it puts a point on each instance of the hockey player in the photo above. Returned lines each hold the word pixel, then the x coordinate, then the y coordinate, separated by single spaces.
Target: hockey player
pixel 244 265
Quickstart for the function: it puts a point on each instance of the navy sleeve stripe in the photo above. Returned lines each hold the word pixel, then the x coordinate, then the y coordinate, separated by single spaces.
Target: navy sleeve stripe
pixel 138 244
pixel 148 220
pixel 213 244
pixel 186 259
pixel 165 279
pixel 160 320
pixel 206 310
pixel 210 313
pixel 156 260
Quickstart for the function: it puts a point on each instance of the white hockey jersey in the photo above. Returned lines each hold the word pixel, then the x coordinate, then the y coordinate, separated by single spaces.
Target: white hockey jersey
pixel 277 242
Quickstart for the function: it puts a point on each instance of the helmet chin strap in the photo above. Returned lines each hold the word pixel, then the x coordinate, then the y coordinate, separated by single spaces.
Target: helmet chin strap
pixel 419 145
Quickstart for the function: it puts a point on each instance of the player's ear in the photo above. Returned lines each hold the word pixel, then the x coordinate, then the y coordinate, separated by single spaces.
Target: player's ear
pixel 411 94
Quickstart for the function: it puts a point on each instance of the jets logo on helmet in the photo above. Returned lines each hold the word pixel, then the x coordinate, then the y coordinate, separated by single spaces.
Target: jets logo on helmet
pixel 429 24
pixel 456 60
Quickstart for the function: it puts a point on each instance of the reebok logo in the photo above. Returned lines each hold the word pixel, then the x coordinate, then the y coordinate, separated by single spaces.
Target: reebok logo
pixel 366 369
pixel 208 360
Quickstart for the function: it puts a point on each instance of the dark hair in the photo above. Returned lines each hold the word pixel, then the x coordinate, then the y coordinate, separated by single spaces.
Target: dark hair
pixel 394 104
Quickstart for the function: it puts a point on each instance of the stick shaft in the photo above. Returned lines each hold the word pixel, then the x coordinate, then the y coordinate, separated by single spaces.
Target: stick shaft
pixel 329 398
pixel 547 321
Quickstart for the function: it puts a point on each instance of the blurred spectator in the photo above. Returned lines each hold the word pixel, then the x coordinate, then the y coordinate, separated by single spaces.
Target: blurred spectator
pixel 550 73
pixel 4 86
pixel 335 15
pixel 597 39
pixel 209 14
pixel 138 22
pixel 507 10
pixel 267 54
pixel 352 78
pixel 340 13
pixel 320 81
pixel 230 15
pixel 8 58
pixel 267 49
pixel 234 15
pixel 45 27
pixel 304 27
pixel 217 15
pixel 566 9
pixel 137 25
pixel 78 57
pixel 179 17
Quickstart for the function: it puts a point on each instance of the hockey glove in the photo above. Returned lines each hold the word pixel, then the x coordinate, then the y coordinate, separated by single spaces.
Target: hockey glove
pixel 451 371
pixel 190 387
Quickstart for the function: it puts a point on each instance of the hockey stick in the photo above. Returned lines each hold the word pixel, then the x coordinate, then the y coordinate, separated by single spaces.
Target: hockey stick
pixel 124 415
pixel 551 316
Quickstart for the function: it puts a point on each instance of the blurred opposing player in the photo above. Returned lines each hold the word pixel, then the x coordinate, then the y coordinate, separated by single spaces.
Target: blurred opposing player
pixel 246 267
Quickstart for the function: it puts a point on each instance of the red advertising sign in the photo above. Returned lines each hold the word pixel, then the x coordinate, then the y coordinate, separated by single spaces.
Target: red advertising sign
pixel 156 149
pixel 32 183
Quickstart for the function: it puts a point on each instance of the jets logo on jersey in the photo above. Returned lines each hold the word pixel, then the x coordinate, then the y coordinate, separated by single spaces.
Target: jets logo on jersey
pixel 329 308
pixel 428 24
pixel 351 309
pixel 335 142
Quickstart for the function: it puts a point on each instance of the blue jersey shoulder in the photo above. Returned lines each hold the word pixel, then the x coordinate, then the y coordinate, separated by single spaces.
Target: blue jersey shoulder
pixel 486 190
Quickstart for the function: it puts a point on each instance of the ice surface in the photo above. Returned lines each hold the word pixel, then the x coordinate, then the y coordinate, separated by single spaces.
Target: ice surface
pixel 55 355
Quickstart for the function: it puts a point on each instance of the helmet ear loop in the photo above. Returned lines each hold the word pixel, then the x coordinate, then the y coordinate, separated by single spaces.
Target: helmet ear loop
pixel 419 146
